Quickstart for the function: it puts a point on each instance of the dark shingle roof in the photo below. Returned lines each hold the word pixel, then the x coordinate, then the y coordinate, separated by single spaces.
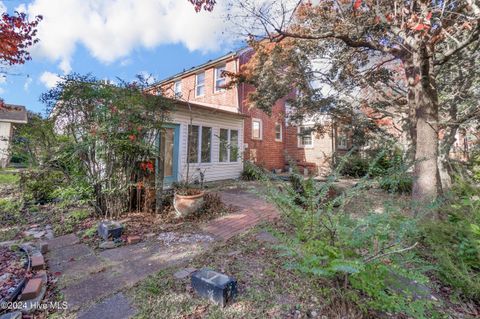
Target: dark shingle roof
pixel 13 113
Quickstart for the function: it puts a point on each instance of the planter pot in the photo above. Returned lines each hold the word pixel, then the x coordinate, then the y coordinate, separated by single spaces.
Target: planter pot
pixel 187 204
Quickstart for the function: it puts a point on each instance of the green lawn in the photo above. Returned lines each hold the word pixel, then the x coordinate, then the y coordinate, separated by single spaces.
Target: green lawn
pixel 7 177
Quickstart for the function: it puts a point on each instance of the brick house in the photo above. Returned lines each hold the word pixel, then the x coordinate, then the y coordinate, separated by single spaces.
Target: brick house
pixel 270 141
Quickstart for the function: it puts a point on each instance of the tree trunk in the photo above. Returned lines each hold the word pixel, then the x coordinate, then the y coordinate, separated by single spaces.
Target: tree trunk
pixel 422 91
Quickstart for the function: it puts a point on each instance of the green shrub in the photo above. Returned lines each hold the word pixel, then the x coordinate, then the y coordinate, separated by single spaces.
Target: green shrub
pixel 356 166
pixel 328 243
pixel 10 211
pixel 475 166
pixel 39 185
pixel 250 172
pixel 454 241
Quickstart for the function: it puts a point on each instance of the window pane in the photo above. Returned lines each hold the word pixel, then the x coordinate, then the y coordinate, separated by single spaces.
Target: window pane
pixel 223 155
pixel 278 131
pixel 206 144
pixel 256 129
pixel 305 135
pixel 200 90
pixel 201 78
pixel 219 78
pixel 233 145
pixel 178 88
pixel 168 141
pixel 193 144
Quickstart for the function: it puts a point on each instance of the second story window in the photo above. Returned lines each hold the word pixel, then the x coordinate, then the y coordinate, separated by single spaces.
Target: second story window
pixel 177 88
pixel 220 80
pixel 200 84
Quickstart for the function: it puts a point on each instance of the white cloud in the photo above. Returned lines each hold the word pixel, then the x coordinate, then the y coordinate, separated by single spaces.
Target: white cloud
pixel 111 29
pixel 3 8
pixel 26 85
pixel 2 91
pixel 22 8
pixel 49 79
pixel 65 66
pixel 3 78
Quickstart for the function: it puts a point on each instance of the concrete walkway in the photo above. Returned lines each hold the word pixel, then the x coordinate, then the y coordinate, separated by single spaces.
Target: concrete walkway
pixel 91 282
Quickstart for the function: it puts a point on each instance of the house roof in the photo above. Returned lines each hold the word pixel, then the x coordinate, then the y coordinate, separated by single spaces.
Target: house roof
pixel 229 55
pixel 210 109
pixel 13 113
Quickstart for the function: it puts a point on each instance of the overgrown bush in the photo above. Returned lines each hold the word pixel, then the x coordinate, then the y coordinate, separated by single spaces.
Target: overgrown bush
pixel 250 172
pixel 475 166
pixel 38 185
pixel 361 255
pixel 454 241
pixel 10 211
pixel 356 167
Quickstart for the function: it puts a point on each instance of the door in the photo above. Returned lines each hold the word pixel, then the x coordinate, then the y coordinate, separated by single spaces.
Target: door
pixel 170 138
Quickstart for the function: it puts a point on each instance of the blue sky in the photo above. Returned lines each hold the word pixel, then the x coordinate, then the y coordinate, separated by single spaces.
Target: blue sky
pixel 110 39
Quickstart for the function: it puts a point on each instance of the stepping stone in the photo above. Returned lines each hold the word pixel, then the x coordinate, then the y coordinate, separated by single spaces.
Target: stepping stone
pixel 71 252
pixel 133 239
pixel 63 241
pixel 107 245
pixel 116 307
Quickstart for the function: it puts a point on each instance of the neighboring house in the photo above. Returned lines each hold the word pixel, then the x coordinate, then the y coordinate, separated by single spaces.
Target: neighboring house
pixel 223 111
pixel 9 115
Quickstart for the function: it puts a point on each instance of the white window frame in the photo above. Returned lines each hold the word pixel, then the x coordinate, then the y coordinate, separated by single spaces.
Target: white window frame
pixel 229 144
pixel 261 129
pixel 197 86
pixel 176 84
pixel 281 132
pixel 300 140
pixel 199 150
pixel 342 136
pixel 216 78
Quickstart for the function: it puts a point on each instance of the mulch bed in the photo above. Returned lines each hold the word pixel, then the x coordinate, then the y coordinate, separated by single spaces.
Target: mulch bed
pixel 12 270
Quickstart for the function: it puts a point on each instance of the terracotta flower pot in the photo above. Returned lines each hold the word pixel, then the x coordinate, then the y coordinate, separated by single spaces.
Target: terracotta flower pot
pixel 187 204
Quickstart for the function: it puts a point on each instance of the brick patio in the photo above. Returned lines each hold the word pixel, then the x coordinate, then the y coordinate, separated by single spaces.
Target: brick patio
pixel 250 211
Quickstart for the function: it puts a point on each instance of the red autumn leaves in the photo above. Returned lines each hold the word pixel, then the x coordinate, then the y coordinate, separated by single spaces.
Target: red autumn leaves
pixel 16 35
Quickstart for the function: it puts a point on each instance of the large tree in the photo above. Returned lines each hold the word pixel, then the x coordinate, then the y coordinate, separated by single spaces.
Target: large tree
pixel 417 36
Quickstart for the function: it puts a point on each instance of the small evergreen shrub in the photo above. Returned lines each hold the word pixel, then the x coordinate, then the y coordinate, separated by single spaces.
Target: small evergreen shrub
pixel 39 185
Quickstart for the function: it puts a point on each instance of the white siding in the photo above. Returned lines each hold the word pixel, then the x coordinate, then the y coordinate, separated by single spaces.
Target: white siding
pixel 5 134
pixel 214 170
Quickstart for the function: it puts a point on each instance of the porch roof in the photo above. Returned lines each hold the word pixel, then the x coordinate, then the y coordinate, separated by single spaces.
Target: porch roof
pixel 11 113
pixel 209 109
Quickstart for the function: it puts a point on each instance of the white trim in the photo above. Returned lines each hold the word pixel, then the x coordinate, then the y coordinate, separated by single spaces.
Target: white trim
pixel 299 138
pixel 281 132
pixel 196 83
pixel 261 129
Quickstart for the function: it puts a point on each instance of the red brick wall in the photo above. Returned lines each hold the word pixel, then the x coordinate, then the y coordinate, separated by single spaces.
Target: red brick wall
pixel 227 98
pixel 266 152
